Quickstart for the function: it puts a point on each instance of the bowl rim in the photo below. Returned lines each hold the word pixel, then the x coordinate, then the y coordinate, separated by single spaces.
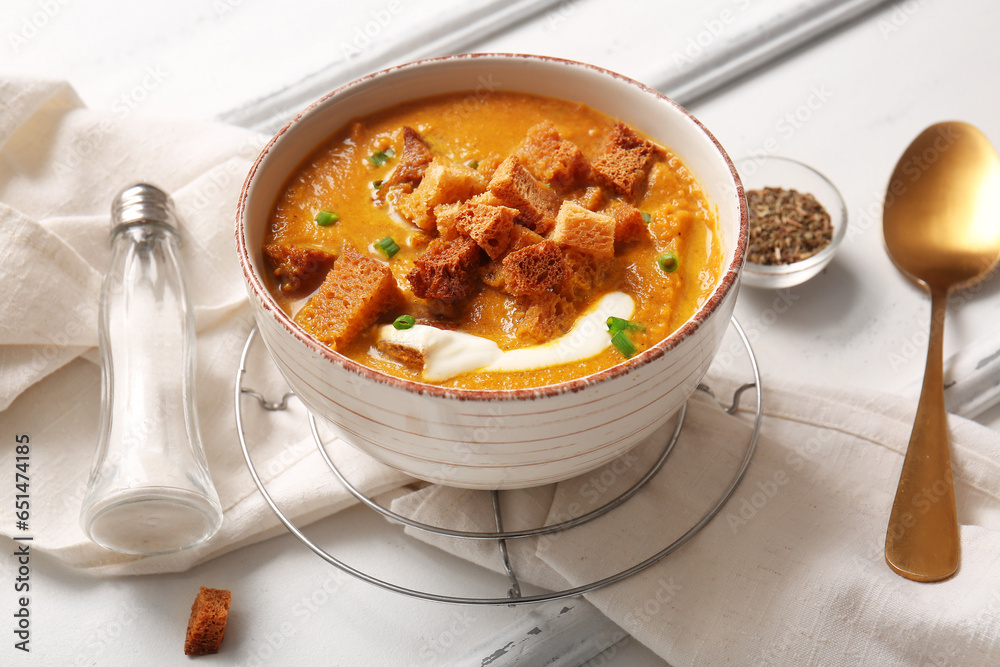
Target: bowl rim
pixel 728 281
pixel 767 271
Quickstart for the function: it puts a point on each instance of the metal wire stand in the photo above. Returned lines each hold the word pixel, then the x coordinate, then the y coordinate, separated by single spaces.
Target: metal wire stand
pixel 501 536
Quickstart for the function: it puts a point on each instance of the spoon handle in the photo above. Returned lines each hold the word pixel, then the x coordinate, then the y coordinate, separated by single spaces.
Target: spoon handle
pixel 921 542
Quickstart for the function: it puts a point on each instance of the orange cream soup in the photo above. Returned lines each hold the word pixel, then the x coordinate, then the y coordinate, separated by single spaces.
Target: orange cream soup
pixel 465 128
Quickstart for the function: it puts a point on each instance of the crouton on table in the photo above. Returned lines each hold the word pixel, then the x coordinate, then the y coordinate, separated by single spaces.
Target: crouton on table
pixel 207 623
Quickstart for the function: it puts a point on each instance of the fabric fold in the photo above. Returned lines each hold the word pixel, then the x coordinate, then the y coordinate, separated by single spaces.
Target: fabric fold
pixel 791 570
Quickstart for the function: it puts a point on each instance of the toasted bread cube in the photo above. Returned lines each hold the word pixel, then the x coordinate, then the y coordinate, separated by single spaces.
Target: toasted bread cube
pixel 546 316
pixel 535 269
pixel 446 219
pixel 411 356
pixel 492 275
pixel 591 198
pixel 413 160
pixel 487 198
pixel 585 230
pixel 443 183
pixel 355 292
pixel 489 226
pixel 629 224
pixel 588 273
pixel 516 188
pixel 487 166
pixel 447 270
pixel 522 237
pixel 552 159
pixel 298 269
pixel 207 624
pixel 625 160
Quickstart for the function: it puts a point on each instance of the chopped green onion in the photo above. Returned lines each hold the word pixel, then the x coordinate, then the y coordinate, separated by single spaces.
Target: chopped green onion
pixel 404 322
pixel 646 217
pixel 623 344
pixel 388 246
pixel 378 158
pixel 668 261
pixel 377 184
pixel 616 324
pixel 474 164
pixel 326 218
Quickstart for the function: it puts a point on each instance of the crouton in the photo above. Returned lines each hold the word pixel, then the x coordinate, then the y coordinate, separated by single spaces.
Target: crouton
pixel 355 292
pixel 588 274
pixel 592 198
pixel 207 623
pixel 445 218
pixel 443 183
pixel 409 355
pixel 624 161
pixel 629 223
pixel 516 188
pixel 522 237
pixel 489 226
pixel 492 275
pixel 579 228
pixel 487 198
pixel 552 159
pixel 413 160
pixel 298 269
pixel 545 316
pixel 488 165
pixel 446 271
pixel 534 269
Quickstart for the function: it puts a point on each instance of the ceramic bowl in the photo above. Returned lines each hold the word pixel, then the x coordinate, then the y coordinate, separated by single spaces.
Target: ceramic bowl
pixel 482 438
pixel 782 172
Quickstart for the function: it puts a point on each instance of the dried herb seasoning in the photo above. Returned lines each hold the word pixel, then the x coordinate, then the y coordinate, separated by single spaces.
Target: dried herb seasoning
pixel 786 226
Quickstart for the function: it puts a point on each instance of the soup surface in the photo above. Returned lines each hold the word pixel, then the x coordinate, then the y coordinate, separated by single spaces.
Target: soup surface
pixel 491 241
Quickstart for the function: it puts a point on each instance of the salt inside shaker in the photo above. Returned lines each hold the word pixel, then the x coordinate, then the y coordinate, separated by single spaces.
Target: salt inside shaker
pixel 150 491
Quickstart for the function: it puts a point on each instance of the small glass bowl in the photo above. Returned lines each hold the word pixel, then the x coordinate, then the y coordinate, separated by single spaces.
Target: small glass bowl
pixel 780 172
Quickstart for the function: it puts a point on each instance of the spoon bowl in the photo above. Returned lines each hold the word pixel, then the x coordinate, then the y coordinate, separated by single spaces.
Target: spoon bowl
pixel 941 225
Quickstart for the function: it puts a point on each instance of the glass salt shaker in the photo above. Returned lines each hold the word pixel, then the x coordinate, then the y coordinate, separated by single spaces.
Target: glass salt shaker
pixel 150 491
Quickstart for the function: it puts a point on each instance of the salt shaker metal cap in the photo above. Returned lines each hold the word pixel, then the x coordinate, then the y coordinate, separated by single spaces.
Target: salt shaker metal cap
pixel 150 490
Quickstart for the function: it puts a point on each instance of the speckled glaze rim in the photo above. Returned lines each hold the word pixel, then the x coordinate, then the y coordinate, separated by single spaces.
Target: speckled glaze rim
pixel 728 281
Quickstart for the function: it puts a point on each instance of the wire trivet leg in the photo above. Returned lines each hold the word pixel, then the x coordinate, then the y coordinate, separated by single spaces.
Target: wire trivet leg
pixel 515 586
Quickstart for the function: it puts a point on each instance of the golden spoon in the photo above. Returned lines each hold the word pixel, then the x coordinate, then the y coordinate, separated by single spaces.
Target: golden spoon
pixel 942 229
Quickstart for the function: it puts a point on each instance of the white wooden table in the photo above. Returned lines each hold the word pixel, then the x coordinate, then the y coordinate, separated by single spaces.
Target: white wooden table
pixel 847 104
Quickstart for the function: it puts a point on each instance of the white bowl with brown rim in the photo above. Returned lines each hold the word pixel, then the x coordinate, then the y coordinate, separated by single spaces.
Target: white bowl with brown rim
pixel 495 439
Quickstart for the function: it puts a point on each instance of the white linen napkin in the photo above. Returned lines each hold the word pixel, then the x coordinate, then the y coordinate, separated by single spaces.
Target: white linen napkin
pixel 60 167
pixel 790 571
